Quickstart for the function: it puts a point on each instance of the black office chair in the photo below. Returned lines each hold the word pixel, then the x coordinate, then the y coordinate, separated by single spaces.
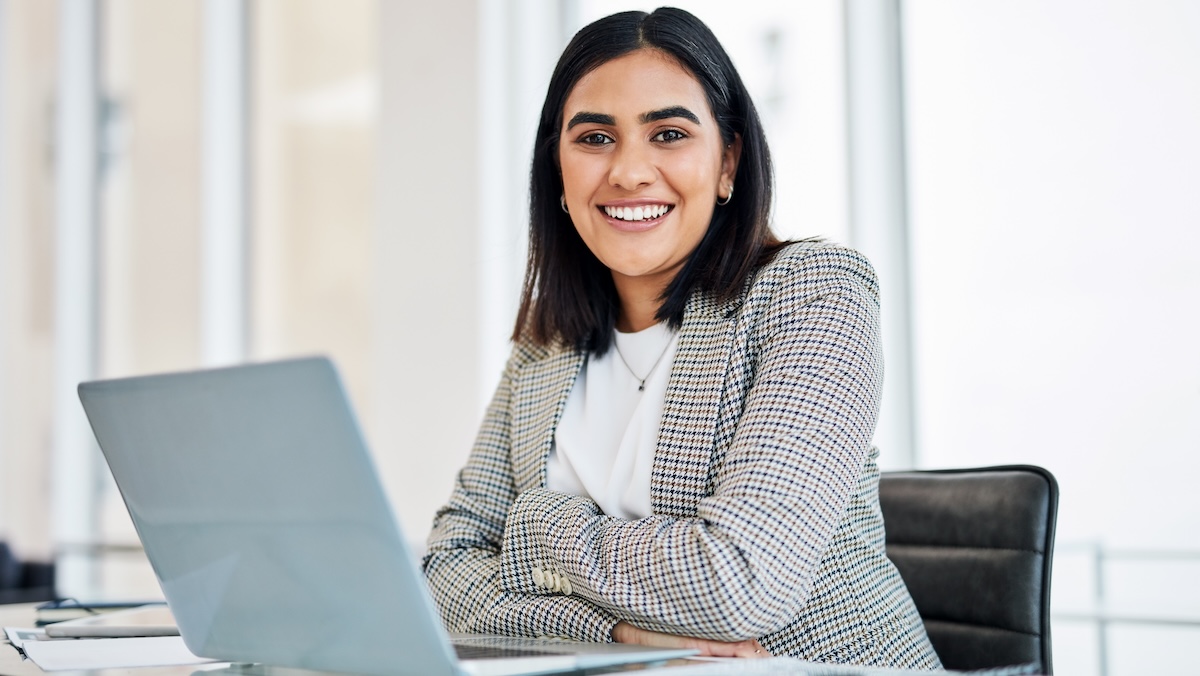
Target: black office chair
pixel 24 581
pixel 974 547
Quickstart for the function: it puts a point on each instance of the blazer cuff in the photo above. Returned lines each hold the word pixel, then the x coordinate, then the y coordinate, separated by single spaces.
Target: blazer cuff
pixel 530 563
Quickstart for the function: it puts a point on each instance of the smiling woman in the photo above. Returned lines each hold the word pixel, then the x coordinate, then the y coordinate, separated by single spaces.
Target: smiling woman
pixel 642 176
pixel 689 99
pixel 679 451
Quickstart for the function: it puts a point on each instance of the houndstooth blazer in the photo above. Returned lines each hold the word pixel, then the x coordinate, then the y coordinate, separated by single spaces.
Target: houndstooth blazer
pixel 766 518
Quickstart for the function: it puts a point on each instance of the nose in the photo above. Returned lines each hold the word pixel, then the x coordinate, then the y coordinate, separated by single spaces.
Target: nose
pixel 632 167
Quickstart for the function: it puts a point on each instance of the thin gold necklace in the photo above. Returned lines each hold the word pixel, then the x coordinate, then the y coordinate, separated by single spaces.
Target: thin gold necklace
pixel 642 379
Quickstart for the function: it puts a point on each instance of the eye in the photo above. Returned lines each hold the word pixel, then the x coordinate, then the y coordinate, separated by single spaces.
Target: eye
pixel 669 136
pixel 595 139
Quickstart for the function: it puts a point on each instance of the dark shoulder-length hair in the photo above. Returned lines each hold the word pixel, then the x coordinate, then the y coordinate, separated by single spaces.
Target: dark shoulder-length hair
pixel 569 296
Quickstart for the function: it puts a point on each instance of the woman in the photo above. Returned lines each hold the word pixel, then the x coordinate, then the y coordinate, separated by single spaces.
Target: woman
pixel 678 453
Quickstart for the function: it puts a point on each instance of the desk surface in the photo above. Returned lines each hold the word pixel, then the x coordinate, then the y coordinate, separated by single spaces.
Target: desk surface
pixel 11 663
pixel 23 615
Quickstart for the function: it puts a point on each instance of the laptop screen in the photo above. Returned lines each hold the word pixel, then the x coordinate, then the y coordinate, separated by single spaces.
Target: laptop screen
pixel 260 511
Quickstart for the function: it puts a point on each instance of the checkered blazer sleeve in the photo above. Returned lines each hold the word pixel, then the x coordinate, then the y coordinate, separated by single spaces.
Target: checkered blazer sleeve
pixel 462 562
pixel 808 388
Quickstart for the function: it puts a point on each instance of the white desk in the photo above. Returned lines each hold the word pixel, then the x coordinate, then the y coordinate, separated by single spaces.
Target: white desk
pixel 22 615
pixel 11 664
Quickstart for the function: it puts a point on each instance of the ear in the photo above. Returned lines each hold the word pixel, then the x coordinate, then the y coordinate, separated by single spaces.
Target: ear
pixel 729 164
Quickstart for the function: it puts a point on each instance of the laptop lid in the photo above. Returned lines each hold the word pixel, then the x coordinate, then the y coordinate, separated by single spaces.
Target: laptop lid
pixel 259 508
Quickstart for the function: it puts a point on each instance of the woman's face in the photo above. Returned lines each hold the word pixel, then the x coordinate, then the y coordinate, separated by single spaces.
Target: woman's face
pixel 643 165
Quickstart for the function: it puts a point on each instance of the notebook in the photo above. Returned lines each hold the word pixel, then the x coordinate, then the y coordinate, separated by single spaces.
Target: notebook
pixel 149 620
pixel 259 508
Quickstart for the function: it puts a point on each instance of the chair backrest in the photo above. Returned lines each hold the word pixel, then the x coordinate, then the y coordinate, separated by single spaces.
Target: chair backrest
pixel 974 547
pixel 24 581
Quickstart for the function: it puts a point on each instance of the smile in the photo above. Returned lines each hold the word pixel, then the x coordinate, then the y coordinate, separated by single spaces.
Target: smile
pixel 639 213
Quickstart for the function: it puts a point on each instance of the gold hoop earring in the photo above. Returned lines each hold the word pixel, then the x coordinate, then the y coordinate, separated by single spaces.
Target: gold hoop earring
pixel 562 202
pixel 728 198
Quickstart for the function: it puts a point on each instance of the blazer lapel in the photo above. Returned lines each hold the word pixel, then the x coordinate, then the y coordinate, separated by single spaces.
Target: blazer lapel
pixel 542 388
pixel 687 434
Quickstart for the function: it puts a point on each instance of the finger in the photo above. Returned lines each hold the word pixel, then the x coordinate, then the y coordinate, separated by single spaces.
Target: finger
pixel 714 649
pixel 745 649
pixel 749 649
pixel 628 633
pixel 757 650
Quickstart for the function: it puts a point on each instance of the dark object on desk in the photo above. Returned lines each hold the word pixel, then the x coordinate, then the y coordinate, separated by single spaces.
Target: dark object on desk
pixel 974 547
pixel 24 581
pixel 64 609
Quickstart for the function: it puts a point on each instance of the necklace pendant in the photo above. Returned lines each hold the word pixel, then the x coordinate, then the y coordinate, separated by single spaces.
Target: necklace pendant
pixel 641 380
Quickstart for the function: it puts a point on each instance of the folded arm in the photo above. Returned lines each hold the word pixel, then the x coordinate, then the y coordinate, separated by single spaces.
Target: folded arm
pixel 462 563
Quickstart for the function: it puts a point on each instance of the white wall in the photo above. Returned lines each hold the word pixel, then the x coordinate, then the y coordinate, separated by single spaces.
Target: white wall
pixel 461 87
pixel 27 60
pixel 426 264
pixel 1054 165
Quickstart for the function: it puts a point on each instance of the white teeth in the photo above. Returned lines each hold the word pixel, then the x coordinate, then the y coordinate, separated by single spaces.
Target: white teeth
pixel 637 213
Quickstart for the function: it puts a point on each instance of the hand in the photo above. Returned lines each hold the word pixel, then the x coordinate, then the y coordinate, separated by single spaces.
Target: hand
pixel 627 633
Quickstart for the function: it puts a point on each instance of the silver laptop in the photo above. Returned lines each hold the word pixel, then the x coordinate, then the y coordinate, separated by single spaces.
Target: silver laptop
pixel 259 508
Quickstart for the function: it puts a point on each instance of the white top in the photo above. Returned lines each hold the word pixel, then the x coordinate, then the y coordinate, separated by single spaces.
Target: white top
pixel 604 445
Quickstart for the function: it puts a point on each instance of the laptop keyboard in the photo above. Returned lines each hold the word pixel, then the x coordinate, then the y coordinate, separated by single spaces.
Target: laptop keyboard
pixel 490 652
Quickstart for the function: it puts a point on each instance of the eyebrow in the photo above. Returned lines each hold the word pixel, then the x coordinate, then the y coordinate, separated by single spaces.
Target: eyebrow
pixel 668 113
pixel 652 116
pixel 591 118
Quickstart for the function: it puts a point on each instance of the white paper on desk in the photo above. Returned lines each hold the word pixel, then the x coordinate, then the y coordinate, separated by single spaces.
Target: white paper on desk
pixel 19 636
pixel 110 653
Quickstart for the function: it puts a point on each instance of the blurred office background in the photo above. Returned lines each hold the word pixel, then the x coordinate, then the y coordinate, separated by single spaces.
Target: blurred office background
pixel 192 183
